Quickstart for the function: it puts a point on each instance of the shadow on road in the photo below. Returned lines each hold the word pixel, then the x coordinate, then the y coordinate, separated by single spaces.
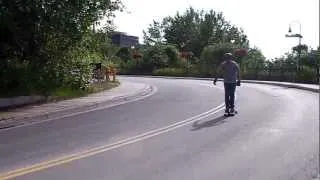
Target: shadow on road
pixel 206 124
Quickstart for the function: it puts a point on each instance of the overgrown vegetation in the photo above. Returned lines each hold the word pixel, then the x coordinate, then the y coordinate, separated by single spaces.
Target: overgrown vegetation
pixel 49 44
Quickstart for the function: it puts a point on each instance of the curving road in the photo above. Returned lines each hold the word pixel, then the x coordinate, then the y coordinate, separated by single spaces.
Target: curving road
pixel 178 133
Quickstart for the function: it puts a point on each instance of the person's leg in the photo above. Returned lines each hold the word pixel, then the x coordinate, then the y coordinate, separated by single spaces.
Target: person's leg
pixel 226 96
pixel 232 94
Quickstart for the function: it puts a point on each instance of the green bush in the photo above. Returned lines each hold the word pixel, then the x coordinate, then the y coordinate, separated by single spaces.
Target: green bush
pixel 307 75
pixel 154 57
pixel 169 72
pixel 128 68
pixel 173 55
pixel 211 56
pixel 124 54
pixel 194 70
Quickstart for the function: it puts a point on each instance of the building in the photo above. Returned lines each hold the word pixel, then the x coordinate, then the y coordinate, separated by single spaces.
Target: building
pixel 124 40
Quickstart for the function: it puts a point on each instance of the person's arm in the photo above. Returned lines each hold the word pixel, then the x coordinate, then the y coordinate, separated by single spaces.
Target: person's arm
pixel 218 71
pixel 238 75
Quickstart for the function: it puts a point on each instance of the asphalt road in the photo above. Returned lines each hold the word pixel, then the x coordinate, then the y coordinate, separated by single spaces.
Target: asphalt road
pixel 178 133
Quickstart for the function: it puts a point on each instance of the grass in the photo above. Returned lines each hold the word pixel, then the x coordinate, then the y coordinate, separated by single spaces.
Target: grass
pixel 98 87
pixel 68 93
pixel 169 72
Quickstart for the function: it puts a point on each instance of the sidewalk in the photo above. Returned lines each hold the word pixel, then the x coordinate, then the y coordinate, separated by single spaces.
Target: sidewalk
pixel 127 91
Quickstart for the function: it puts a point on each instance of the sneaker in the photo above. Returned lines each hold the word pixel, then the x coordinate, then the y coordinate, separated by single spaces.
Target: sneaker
pixel 226 112
pixel 233 111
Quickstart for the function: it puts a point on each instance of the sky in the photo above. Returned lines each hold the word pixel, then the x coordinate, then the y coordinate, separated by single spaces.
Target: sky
pixel 265 22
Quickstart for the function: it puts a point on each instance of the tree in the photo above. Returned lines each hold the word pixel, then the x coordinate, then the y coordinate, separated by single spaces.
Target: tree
pixel 303 49
pixel 37 37
pixel 207 35
pixel 124 54
pixel 193 30
pixel 154 57
pixel 154 34
pixel 255 59
pixel 211 56
pixel 173 55
pixel 254 62
pixel 182 30
pixel 28 25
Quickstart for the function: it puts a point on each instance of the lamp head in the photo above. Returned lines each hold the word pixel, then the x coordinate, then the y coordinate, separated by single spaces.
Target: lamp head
pixel 289 29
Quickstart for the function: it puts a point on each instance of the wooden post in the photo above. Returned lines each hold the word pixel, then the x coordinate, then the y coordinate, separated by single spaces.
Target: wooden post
pixel 108 73
pixel 113 72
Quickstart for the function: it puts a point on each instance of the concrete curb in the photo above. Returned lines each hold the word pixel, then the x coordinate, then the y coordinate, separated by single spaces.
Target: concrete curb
pixel 13 122
pixel 287 85
pixel 19 101
pixel 275 83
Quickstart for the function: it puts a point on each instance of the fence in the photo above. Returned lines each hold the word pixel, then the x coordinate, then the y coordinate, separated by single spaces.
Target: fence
pixel 304 75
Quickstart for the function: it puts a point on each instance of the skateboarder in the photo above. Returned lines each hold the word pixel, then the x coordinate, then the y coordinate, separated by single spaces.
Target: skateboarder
pixel 231 76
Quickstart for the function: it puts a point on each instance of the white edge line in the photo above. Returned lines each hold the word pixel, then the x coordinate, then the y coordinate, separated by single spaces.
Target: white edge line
pixel 155 90
pixel 211 86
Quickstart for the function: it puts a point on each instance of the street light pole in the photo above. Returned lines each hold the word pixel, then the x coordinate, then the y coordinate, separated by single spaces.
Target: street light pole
pixel 299 46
